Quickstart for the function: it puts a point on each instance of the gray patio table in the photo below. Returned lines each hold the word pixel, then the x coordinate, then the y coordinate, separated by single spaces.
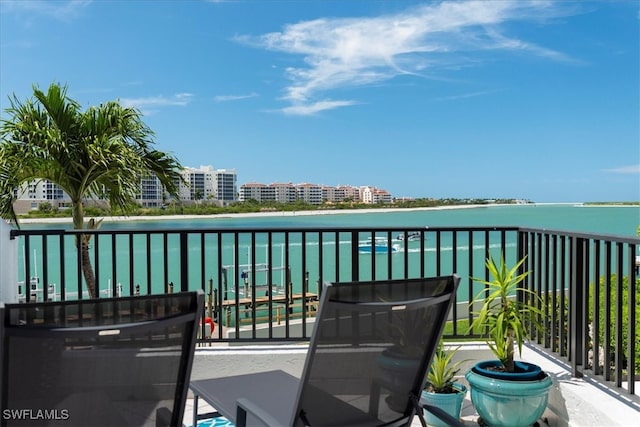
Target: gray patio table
pixel 275 390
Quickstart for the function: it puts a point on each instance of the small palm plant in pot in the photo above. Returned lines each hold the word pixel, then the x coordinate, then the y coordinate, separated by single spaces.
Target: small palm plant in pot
pixel 441 389
pixel 505 319
pixel 502 315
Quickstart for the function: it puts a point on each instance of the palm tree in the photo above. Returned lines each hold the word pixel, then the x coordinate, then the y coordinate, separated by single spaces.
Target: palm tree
pixel 100 152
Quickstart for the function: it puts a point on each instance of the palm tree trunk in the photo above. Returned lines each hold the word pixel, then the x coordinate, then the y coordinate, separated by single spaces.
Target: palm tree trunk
pixel 82 244
pixel 87 268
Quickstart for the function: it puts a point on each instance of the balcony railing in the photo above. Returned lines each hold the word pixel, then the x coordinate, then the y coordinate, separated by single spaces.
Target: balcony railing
pixel 263 284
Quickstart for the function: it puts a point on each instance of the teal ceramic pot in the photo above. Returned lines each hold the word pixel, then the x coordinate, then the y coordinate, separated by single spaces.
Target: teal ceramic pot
pixel 508 403
pixel 451 403
pixel 524 371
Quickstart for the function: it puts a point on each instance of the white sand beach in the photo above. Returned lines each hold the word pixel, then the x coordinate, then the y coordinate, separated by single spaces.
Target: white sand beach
pixel 254 214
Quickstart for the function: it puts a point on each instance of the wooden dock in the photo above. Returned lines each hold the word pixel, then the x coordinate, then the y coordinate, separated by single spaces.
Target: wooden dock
pixel 247 305
pixel 264 300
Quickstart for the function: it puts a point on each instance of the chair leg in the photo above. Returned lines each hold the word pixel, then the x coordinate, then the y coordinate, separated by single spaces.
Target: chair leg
pixel 195 410
pixel 418 410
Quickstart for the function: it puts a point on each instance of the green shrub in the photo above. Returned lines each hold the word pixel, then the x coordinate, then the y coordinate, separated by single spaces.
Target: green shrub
pixel 625 315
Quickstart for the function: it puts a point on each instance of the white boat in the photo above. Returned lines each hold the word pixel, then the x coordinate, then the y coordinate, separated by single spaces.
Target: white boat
pixel 414 235
pixel 378 245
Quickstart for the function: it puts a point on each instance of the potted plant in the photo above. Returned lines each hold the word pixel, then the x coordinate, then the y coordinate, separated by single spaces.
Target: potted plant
pixel 505 392
pixel 442 389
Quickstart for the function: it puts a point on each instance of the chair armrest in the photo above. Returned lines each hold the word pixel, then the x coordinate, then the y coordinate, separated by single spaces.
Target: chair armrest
pixel 245 406
pixel 448 419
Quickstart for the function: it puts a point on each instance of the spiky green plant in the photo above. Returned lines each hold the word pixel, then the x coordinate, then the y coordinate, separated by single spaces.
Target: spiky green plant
pixel 502 316
pixel 442 371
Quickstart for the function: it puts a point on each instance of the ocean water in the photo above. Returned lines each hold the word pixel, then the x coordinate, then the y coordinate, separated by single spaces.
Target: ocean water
pixel 616 220
pixel 621 221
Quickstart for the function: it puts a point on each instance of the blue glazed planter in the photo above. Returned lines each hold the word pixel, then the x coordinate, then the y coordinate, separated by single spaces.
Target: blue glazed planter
pixel 451 403
pixel 508 403
pixel 524 371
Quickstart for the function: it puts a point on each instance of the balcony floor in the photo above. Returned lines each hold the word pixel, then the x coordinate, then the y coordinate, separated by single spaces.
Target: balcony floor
pixel 572 401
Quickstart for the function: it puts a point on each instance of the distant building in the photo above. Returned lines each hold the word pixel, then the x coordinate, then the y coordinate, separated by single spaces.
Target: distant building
pixel 345 192
pixel 225 186
pixel 203 184
pixel 208 185
pixel 311 193
pixel 151 192
pixel 276 192
pixel 373 195
pixel 285 193
pixel 31 195
pixel 252 191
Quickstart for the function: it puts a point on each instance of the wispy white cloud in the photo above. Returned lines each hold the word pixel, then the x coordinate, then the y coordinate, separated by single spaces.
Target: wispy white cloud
pixel 466 95
pixel 226 98
pixel 60 10
pixel 151 104
pixel 427 39
pixel 313 108
pixel 629 170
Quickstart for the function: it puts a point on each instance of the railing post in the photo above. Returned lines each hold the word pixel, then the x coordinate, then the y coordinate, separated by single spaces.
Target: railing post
pixel 9 266
pixel 631 321
pixel 355 259
pixel 577 305
pixel 184 262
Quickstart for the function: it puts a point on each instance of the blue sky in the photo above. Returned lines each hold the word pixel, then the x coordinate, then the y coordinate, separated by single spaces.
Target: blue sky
pixel 515 99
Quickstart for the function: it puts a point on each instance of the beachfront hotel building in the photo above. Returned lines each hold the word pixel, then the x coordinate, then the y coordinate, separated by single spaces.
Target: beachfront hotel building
pixel 311 193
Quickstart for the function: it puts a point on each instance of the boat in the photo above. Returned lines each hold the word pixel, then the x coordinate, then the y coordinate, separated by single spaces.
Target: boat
pixel 414 235
pixel 378 245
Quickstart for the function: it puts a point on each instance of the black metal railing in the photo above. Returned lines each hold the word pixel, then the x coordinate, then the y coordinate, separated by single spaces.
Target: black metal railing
pixel 264 284
pixel 589 285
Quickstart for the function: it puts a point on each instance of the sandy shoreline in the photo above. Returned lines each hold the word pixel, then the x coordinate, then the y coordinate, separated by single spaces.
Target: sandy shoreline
pixel 255 214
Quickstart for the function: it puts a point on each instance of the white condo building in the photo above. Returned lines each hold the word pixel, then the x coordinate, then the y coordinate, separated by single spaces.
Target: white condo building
pixel 30 196
pixel 311 193
pixel 205 183
pixel 372 195
pixel 208 185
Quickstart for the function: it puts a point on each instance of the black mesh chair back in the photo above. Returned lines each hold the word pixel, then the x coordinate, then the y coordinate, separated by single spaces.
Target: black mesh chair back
pixel 370 351
pixel 98 362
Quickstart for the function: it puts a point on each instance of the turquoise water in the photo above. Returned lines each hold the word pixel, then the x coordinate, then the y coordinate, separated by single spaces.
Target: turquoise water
pixel 619 220
pixel 600 220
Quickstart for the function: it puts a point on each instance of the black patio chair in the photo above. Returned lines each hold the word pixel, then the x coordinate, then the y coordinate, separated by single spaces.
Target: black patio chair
pixel 98 362
pixel 367 361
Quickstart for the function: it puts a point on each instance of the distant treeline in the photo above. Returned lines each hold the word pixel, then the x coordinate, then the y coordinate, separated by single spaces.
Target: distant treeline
pixel 612 204
pixel 46 210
